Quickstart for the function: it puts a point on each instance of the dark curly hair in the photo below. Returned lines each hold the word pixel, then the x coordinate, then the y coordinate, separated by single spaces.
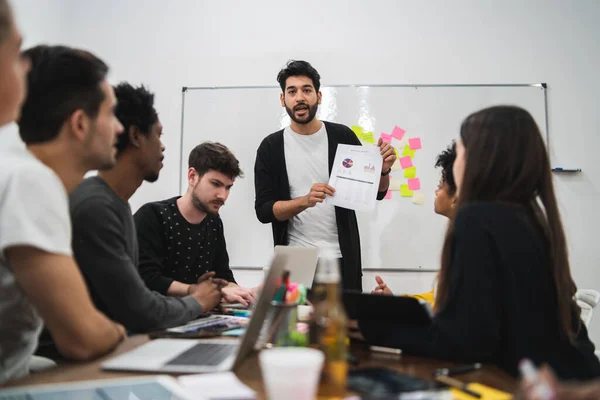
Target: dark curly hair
pixel 298 68
pixel 135 107
pixel 445 161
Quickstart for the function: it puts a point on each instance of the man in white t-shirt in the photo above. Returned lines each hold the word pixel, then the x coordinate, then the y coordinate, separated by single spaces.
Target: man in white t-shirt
pixel 68 125
pixel 292 170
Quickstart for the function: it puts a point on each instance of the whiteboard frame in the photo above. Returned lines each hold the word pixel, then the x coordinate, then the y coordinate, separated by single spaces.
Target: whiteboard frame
pixel 185 89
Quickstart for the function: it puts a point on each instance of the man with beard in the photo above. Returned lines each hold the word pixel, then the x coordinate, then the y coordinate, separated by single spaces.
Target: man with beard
pixel 104 238
pixel 182 238
pixel 292 170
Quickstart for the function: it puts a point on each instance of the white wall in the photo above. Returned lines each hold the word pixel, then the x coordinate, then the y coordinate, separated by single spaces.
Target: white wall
pixel 167 45
pixel 42 21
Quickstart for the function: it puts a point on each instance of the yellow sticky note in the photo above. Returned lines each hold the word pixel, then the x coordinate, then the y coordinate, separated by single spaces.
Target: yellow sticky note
pixel 395 184
pixel 408 152
pixel 405 191
pixel 410 172
pixel 358 130
pixel 368 137
pixel 418 198
pixel 486 392
pixel 396 165
pixel 396 151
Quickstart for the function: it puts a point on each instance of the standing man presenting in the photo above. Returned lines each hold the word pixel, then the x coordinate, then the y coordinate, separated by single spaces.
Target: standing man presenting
pixel 292 170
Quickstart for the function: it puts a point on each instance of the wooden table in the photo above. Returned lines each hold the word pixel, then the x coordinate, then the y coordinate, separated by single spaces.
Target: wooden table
pixel 249 372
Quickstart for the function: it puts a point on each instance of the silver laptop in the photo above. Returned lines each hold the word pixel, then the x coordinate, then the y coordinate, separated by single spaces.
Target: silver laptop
pixel 302 263
pixel 203 355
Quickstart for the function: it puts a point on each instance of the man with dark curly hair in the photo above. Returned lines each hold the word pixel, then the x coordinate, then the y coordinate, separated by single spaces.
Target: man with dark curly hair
pixel 444 204
pixel 104 236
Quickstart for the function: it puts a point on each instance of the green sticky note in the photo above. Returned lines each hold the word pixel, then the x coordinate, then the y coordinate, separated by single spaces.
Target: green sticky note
pixel 405 191
pixel 368 137
pixel 410 172
pixel 408 152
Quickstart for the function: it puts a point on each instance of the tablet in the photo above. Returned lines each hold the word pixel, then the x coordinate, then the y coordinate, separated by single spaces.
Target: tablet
pixel 159 387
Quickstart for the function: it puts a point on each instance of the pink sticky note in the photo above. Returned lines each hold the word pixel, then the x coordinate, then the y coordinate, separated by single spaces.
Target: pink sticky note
pixel 406 162
pixel 388 195
pixel 398 133
pixel 386 138
pixel 414 184
pixel 415 143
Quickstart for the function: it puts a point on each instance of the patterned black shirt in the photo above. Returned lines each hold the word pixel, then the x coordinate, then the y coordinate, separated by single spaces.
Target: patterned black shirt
pixel 171 248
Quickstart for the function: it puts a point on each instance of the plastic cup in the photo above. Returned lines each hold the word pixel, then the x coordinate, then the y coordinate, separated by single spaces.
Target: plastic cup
pixel 291 372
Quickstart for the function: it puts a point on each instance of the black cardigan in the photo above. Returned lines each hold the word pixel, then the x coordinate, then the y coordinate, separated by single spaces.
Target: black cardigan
pixel 502 301
pixel 271 185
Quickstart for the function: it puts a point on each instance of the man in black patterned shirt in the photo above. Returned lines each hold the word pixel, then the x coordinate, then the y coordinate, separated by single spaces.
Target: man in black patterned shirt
pixel 181 238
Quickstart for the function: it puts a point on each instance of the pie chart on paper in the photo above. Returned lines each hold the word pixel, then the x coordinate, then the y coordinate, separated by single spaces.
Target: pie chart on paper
pixel 347 163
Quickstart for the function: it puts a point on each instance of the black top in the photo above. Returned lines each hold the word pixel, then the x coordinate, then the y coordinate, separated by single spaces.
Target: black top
pixel 502 301
pixel 173 249
pixel 272 184
pixel 106 249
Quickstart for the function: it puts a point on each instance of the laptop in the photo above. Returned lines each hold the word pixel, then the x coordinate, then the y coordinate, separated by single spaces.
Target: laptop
pixel 202 355
pixel 302 263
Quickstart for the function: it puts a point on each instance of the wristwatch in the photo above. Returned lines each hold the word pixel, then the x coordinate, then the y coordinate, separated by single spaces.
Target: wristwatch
pixel 386 173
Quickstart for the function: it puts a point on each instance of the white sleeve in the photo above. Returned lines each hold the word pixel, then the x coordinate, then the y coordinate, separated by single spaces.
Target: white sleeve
pixel 34 211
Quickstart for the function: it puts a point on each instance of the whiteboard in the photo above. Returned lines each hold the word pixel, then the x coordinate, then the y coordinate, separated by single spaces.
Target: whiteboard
pixel 397 234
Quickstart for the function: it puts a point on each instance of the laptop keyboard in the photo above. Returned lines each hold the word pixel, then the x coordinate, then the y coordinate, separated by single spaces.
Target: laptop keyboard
pixel 205 354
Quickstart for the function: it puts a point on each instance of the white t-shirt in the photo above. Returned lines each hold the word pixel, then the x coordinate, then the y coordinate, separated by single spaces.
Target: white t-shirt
pixel 34 211
pixel 307 163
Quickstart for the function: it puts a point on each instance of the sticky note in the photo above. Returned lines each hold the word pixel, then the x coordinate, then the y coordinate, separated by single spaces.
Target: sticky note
pixel 410 172
pixel 396 165
pixel 358 130
pixel 396 151
pixel 418 198
pixel 408 152
pixel 400 143
pixel 414 184
pixel 414 143
pixel 368 137
pixel 486 392
pixel 388 195
pixel 386 138
pixel 395 184
pixel 406 162
pixel 398 133
pixel 405 191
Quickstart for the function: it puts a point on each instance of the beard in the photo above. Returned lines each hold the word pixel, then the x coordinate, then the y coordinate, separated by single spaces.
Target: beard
pixel 204 206
pixel 312 112
pixel 151 177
